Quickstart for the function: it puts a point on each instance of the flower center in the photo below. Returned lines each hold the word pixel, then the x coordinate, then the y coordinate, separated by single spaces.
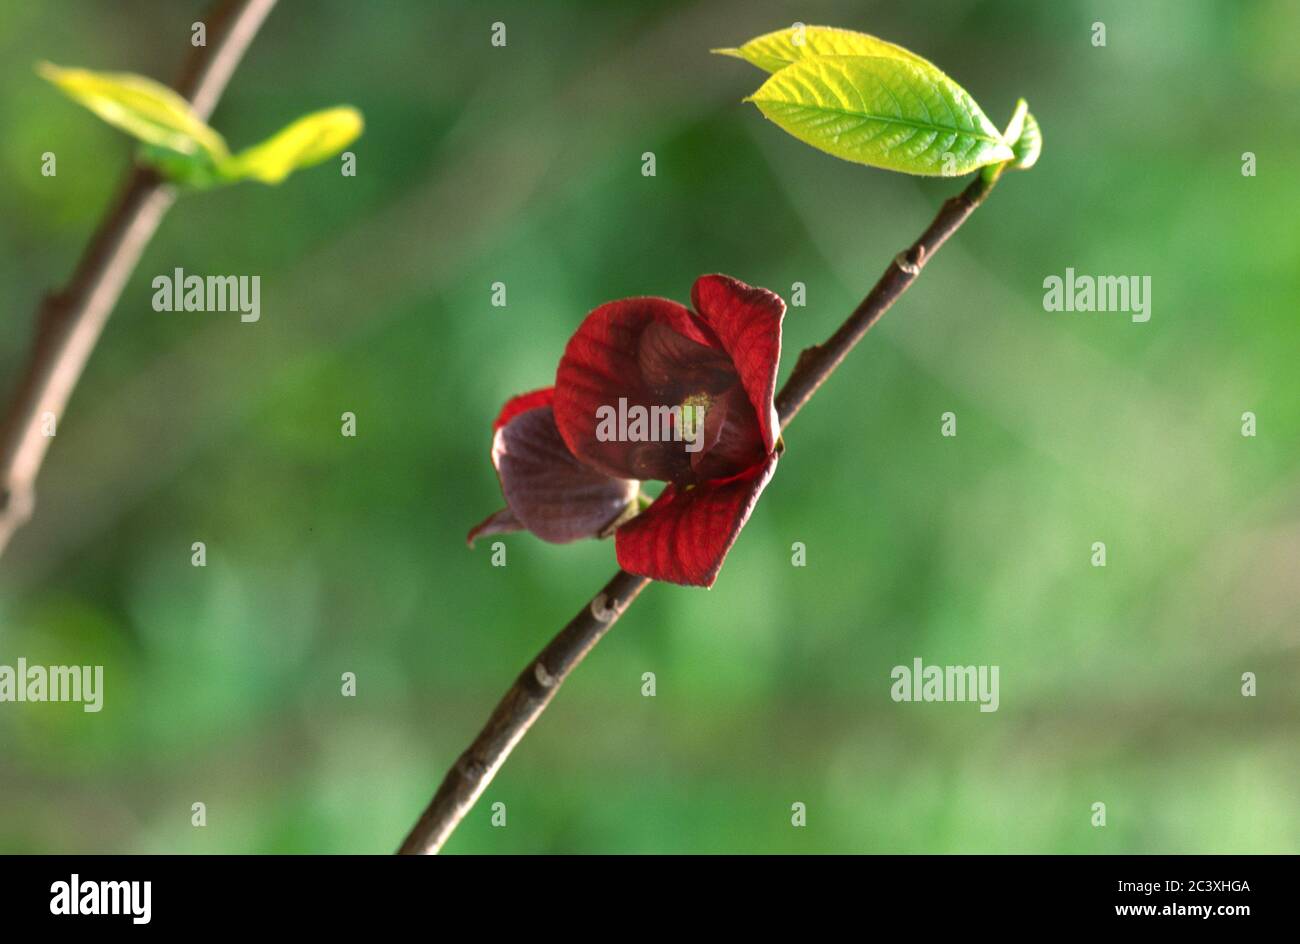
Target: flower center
pixel 693 409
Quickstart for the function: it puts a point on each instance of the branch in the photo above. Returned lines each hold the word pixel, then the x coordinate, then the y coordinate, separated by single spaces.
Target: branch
pixel 521 706
pixel 537 684
pixel 70 321
pixel 817 363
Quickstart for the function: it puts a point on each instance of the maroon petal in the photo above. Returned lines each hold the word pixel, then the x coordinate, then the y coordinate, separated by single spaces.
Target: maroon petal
pixel 499 522
pixel 641 351
pixel 686 534
pixel 673 365
pixel 523 403
pixel 547 490
pixel 747 323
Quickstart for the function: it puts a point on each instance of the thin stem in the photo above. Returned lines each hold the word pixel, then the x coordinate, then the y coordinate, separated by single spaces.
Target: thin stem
pixel 516 712
pixel 70 321
pixel 533 690
pixel 817 363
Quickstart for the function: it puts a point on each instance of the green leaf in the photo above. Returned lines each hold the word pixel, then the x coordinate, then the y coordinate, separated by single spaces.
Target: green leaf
pixel 772 52
pixel 1028 145
pixel 1024 137
pixel 1016 126
pixel 884 111
pixel 141 107
pixel 307 141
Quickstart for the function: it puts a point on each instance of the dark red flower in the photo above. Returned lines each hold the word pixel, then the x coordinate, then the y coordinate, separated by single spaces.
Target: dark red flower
pixel 631 390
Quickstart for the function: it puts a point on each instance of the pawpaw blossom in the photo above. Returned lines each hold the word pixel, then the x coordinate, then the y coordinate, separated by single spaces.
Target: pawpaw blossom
pixel 564 478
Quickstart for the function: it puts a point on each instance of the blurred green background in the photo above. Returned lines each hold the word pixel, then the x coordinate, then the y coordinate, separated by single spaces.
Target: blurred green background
pixel 523 165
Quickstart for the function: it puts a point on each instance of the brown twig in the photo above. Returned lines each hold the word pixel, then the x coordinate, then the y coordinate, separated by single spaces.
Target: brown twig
pixel 522 705
pixel 537 684
pixel 70 321
pixel 817 363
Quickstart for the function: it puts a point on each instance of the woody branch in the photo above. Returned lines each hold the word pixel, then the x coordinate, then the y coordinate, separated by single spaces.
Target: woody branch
pixel 70 321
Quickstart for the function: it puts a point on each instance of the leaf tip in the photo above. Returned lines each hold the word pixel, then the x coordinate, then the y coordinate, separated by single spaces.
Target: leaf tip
pixel 55 75
pixel 353 114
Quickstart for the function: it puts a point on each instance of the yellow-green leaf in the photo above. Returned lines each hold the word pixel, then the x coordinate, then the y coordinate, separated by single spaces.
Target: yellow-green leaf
pixel 885 111
pixel 774 51
pixel 141 107
pixel 1024 137
pixel 1029 144
pixel 307 141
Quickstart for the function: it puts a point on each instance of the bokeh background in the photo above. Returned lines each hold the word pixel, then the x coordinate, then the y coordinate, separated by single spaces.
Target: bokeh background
pixel 523 165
